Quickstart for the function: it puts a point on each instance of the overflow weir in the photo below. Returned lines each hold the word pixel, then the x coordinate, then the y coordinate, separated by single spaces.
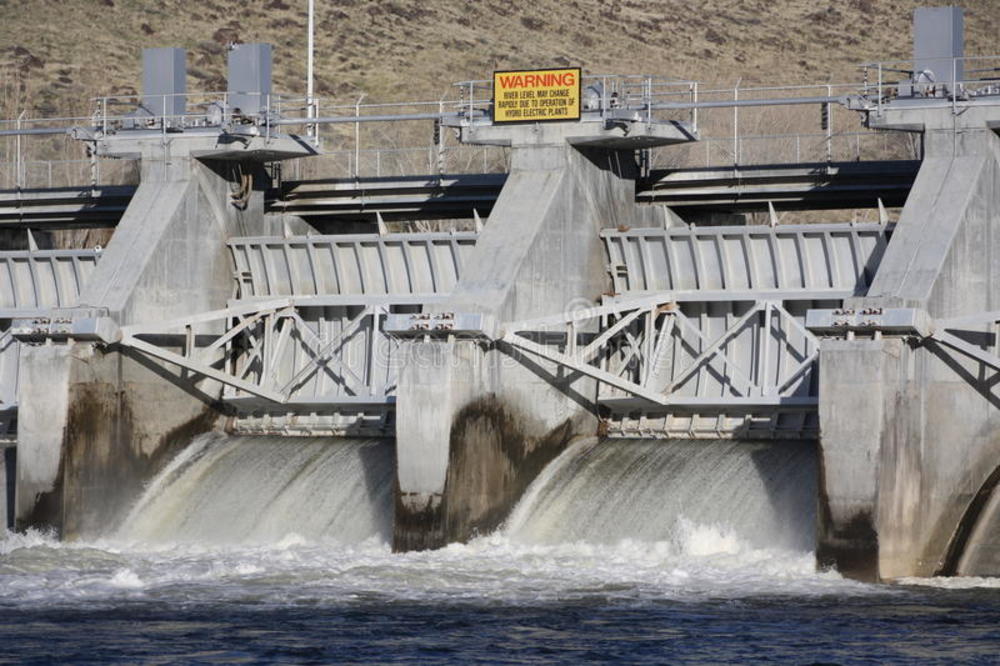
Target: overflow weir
pixel 443 338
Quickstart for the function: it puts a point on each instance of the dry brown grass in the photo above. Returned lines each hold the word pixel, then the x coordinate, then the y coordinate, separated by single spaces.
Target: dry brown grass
pixel 56 54
pixel 66 50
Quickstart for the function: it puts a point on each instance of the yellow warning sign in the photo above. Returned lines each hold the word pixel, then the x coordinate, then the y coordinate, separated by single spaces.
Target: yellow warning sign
pixel 537 95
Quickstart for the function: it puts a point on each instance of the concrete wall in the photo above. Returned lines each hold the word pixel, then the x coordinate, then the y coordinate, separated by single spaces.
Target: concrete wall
pixel 94 423
pixel 977 546
pixel 906 477
pixel 8 474
pixel 476 422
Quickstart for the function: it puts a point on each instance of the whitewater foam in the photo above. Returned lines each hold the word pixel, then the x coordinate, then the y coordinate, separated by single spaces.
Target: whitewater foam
pixel 489 569
pixel 289 522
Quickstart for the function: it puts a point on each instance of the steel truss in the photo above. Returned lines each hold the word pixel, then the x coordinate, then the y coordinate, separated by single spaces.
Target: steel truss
pixel 941 333
pixel 650 349
pixel 269 354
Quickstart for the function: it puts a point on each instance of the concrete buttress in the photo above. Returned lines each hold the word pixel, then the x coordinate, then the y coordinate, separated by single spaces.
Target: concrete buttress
pixel 475 420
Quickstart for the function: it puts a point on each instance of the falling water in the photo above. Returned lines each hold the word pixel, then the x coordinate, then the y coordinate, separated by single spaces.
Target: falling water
pixel 246 490
pixel 695 494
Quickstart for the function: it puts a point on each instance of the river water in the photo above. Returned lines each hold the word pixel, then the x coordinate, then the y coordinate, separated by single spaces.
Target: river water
pixel 261 550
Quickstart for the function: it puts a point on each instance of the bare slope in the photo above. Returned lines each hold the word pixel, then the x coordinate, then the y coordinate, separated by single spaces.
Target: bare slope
pixel 56 53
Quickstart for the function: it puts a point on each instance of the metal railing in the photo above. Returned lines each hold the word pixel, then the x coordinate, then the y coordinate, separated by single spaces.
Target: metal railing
pixel 955 81
pixel 455 158
pixel 240 112
pixel 602 95
pixel 371 139
pixel 49 174
pixel 397 162
pixel 805 147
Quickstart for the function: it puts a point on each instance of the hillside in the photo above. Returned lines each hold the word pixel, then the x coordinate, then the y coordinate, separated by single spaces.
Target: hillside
pixel 57 53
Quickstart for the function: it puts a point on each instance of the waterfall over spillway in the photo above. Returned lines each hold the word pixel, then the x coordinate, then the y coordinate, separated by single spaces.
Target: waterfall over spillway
pixel 238 489
pixel 688 492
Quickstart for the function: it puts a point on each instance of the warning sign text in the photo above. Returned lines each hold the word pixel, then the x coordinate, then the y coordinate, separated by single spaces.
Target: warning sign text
pixel 541 95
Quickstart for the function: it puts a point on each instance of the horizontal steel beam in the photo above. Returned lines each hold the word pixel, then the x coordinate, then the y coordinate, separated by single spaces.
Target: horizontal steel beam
pixel 693 403
pixel 734 103
pixel 349 402
pixel 416 197
pixel 37 131
pixel 838 185
pixel 348 300
pixel 742 189
pixel 64 208
pixel 382 118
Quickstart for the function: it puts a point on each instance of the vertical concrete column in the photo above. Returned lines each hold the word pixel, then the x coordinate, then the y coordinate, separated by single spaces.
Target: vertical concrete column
pixel 857 380
pixel 476 421
pixel 8 474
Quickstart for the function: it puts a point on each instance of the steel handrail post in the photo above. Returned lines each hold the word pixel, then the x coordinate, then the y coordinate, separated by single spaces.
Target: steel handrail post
pixel 357 137
pixel 649 99
pixel 19 161
pixel 954 86
pixel 316 139
pixel 604 96
pixel 694 110
pixel 829 125
pixel 878 111
pixel 736 123
pixel 440 138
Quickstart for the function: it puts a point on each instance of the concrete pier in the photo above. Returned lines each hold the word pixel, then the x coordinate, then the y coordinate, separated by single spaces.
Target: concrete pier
pixel 95 422
pixel 477 421
pixel 909 477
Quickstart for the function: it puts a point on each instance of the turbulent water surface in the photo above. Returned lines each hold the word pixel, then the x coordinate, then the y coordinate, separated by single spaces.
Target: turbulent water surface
pixel 251 549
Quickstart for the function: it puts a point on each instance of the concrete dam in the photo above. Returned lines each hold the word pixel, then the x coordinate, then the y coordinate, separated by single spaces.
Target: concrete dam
pixel 583 344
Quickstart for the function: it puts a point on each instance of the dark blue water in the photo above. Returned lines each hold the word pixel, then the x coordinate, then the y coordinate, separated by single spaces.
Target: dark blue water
pixel 900 625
